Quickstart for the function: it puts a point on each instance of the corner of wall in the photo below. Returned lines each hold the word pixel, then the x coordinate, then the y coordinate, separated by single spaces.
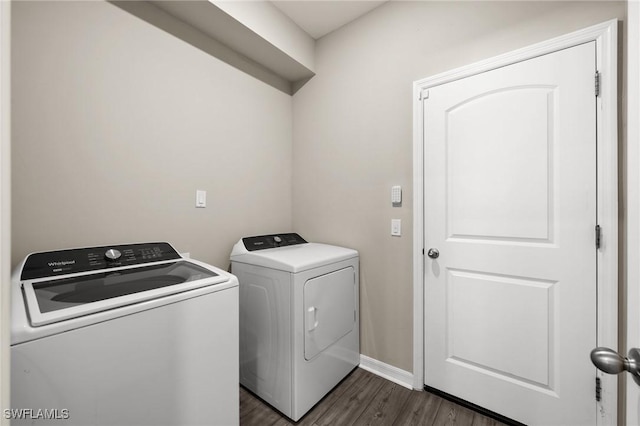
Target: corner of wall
pixel 5 207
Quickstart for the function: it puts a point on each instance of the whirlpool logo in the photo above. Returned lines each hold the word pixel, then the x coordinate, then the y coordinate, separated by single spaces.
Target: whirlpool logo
pixel 62 263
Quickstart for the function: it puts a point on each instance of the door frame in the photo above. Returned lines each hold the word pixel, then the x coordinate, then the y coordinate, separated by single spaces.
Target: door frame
pixel 606 38
pixel 5 205
pixel 630 317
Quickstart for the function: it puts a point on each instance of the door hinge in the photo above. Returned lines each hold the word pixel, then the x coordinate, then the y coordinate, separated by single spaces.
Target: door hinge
pixel 424 94
pixel 598 389
pixel 598 236
pixel 597 81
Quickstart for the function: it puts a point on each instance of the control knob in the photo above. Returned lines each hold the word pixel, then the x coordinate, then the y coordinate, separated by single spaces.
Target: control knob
pixel 112 254
pixel 277 239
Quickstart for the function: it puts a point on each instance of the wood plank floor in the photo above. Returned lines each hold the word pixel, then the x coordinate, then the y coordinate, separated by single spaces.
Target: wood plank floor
pixel 363 398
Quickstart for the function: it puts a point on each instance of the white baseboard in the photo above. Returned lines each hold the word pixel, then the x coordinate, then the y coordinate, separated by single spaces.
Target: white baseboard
pixel 386 371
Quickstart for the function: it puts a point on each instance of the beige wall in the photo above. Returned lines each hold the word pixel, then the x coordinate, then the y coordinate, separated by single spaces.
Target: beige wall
pixel 117 123
pixel 353 133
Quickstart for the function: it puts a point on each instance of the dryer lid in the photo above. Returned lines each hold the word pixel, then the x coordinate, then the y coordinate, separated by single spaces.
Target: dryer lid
pixel 293 258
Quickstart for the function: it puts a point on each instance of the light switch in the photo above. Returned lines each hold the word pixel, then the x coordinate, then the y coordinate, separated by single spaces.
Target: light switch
pixel 396 227
pixel 201 198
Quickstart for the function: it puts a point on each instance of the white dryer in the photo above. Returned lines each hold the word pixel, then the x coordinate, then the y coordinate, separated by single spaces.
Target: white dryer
pixel 299 318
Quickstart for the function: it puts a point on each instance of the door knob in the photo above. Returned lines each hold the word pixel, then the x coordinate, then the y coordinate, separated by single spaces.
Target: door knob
pixel 433 253
pixel 611 362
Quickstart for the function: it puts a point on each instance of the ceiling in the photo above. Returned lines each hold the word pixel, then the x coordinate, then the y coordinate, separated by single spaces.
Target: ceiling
pixel 320 17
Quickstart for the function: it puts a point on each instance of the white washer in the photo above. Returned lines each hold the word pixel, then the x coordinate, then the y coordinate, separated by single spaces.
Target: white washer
pixel 123 335
pixel 299 318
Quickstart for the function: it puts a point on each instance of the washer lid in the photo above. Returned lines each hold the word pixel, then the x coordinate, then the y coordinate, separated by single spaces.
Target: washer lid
pixel 59 299
pixel 293 258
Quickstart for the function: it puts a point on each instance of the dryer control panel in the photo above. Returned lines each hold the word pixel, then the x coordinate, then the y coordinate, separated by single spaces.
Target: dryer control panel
pixel 272 241
pixel 61 262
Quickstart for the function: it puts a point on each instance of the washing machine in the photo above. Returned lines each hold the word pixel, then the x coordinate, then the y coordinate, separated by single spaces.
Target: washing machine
pixel 123 335
pixel 299 318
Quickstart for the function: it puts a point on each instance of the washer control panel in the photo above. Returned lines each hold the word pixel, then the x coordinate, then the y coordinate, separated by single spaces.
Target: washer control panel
pixel 61 262
pixel 262 242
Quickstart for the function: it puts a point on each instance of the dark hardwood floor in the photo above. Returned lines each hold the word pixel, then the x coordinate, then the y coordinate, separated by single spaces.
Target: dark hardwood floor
pixel 363 398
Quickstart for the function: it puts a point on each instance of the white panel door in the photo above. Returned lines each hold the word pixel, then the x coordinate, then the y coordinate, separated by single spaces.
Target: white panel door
pixel 510 204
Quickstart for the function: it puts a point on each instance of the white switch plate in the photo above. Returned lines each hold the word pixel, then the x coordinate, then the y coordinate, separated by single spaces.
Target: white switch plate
pixel 201 198
pixel 396 227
